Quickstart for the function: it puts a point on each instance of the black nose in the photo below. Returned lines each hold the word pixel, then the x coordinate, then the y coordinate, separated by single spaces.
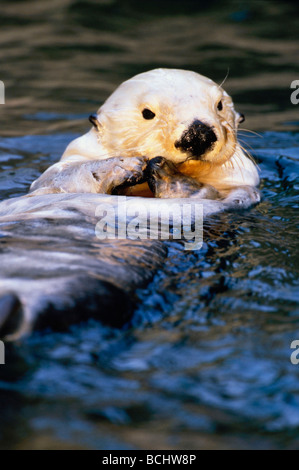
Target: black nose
pixel 197 139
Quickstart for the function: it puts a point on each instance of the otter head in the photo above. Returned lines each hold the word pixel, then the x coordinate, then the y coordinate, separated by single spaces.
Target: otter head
pixel 177 114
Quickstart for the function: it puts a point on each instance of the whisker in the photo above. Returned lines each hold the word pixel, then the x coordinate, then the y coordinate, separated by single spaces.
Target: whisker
pixel 248 154
pixel 251 132
pixel 245 143
pixel 226 77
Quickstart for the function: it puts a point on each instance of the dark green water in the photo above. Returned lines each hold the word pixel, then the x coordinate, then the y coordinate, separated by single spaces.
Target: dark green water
pixel 206 363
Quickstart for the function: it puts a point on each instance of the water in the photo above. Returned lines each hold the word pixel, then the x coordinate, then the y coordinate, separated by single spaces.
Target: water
pixel 206 362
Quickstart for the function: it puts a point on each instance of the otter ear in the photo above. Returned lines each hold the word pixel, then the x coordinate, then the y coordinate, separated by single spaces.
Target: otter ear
pixel 95 120
pixel 240 118
pixel 89 146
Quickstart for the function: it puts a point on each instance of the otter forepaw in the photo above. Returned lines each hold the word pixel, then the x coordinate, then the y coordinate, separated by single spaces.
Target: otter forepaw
pixel 116 173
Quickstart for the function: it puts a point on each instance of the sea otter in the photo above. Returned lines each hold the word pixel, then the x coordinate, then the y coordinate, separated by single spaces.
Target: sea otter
pixel 165 134
pixel 179 115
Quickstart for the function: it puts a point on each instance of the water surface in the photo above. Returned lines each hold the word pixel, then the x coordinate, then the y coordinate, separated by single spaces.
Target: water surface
pixel 206 361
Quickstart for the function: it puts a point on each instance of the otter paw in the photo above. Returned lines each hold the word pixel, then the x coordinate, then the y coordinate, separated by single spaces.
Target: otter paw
pixel 243 197
pixel 206 192
pixel 116 173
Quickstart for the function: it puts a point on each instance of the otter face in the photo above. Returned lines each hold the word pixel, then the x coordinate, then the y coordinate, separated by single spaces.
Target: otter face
pixel 178 114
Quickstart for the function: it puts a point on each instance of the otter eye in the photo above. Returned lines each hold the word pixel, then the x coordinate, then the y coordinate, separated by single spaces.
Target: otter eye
pixel 148 114
pixel 220 106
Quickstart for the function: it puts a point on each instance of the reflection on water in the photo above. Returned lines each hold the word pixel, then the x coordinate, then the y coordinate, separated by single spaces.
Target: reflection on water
pixel 206 363
pixel 64 57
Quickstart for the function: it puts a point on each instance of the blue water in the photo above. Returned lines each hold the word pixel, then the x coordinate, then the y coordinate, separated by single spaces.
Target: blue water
pixel 206 361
